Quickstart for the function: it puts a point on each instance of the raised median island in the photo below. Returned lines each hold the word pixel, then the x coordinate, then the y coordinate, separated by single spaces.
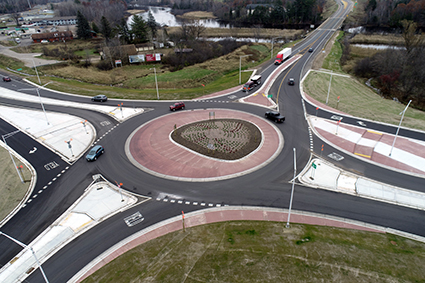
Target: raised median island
pixel 228 139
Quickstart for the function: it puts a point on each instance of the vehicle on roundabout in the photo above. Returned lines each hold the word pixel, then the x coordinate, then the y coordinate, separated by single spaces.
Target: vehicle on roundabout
pixel 100 97
pixel 255 80
pixel 275 116
pixel 95 152
pixel 7 79
pixel 177 106
pixel 311 50
pixel 291 81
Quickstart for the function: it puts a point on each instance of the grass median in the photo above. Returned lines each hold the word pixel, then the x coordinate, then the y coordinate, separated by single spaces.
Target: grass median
pixel 257 251
pixel 12 190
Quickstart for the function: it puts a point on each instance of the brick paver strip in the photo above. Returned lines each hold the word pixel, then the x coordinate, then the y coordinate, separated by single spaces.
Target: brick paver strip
pixel 151 149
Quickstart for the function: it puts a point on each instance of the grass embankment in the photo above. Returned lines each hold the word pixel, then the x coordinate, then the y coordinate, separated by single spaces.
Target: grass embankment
pixel 355 97
pixel 12 190
pixel 138 82
pixel 255 251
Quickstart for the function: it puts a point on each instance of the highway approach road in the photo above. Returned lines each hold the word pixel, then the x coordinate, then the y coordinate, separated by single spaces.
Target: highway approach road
pixel 269 186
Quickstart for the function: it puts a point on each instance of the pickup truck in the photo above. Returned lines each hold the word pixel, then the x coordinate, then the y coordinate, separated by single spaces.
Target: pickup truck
pixel 255 80
pixel 275 116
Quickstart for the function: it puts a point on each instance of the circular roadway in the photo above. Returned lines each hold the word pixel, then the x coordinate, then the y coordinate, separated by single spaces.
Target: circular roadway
pixel 151 148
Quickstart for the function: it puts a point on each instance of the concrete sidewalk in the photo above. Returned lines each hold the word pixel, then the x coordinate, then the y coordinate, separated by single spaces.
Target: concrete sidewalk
pixel 100 201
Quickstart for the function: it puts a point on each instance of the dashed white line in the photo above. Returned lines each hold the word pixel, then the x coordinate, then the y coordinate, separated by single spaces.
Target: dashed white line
pixel 54 179
pixel 58 175
pixel 63 171
pixel 165 200
pixel 195 203
pixel 40 191
pixel 49 183
pixel 202 203
pixel 30 200
pixel 180 202
pixel 210 204
pixel 187 202
pixel 34 196
pixel 45 187
pixel 158 199
pixel 173 201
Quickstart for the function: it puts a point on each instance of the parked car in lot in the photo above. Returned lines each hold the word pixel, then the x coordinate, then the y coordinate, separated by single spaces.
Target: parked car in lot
pixel 95 152
pixel 7 79
pixel 291 81
pixel 177 106
pixel 44 41
pixel 101 98
pixel 275 116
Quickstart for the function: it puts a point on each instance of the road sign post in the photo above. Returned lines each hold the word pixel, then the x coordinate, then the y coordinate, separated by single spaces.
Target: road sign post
pixel 337 126
pixel 314 166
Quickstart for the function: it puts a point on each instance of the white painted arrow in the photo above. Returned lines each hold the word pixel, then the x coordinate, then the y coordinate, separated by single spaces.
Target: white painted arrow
pixel 33 150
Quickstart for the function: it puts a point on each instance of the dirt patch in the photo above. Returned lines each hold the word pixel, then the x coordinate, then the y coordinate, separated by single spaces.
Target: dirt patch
pixel 228 139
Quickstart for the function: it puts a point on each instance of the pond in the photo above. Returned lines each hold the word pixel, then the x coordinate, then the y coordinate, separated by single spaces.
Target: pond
pixel 163 16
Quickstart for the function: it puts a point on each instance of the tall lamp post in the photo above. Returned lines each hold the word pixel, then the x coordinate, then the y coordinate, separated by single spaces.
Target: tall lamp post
pixel 38 92
pixel 156 83
pixel 398 129
pixel 11 157
pixel 271 52
pixel 292 191
pixel 32 251
pixel 240 65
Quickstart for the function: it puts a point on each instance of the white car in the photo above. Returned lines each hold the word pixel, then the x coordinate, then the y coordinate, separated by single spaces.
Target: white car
pixel 44 41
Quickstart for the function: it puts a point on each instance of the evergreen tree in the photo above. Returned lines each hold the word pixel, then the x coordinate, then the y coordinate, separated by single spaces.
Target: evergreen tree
pixel 105 28
pixel 94 27
pixel 139 29
pixel 124 32
pixel 152 24
pixel 83 27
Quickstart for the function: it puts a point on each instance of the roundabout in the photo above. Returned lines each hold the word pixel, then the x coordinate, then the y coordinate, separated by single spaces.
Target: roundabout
pixel 152 149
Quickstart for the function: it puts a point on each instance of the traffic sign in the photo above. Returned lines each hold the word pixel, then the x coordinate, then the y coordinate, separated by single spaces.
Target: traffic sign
pixel 314 165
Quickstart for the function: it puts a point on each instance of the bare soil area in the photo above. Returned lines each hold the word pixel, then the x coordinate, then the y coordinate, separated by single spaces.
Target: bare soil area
pixel 227 139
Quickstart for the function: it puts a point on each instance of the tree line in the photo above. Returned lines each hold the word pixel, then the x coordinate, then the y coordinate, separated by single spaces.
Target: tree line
pixel 399 73
pixel 391 13
pixel 277 13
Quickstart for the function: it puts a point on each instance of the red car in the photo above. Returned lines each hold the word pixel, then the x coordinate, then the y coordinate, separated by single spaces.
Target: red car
pixel 177 106
pixel 7 79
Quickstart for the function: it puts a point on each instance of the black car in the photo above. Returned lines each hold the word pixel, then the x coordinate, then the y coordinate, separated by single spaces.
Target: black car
pixel 95 152
pixel 7 79
pixel 275 116
pixel 291 81
pixel 311 50
pixel 101 98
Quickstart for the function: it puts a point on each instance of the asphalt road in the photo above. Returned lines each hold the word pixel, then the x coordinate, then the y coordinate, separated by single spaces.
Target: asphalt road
pixel 269 186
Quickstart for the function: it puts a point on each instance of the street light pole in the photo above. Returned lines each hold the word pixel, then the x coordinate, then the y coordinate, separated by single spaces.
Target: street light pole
pixel 11 157
pixel 329 89
pixel 398 129
pixel 271 53
pixel 240 65
pixel 156 83
pixel 292 191
pixel 32 251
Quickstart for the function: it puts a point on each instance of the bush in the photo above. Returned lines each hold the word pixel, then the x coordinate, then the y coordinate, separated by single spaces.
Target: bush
pixel 104 65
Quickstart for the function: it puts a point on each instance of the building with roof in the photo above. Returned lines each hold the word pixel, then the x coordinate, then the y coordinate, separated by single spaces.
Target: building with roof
pixel 52 36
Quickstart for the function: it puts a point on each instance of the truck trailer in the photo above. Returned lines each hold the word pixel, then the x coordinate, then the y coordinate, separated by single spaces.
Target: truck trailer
pixel 282 55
